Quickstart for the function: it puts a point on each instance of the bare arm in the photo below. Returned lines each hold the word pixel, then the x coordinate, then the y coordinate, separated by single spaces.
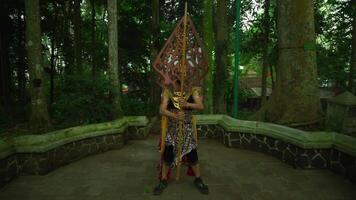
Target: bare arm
pixel 198 101
pixel 164 111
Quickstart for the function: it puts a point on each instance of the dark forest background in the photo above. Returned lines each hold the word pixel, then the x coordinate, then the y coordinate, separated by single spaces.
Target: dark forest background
pixel 74 71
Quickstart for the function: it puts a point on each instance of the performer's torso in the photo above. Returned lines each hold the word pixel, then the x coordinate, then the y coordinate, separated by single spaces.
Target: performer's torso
pixel 173 103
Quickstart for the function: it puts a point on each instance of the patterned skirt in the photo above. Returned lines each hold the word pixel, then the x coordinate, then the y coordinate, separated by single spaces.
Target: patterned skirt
pixel 189 141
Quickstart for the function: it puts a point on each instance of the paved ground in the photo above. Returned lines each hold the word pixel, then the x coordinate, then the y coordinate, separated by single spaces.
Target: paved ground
pixel 130 173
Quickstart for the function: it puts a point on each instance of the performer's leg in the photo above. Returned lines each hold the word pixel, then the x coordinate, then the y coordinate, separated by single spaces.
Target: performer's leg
pixel 196 170
pixel 165 168
pixel 193 161
pixel 198 182
pixel 168 158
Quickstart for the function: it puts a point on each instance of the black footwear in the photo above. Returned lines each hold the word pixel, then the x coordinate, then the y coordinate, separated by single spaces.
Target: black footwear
pixel 201 186
pixel 160 187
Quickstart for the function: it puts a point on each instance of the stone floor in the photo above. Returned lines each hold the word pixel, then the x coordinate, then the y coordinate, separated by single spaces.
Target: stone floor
pixel 130 173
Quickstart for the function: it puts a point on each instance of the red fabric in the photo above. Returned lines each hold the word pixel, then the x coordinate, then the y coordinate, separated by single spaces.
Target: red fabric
pixel 190 171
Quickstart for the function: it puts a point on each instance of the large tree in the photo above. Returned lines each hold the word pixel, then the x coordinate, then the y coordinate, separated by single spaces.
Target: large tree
pixel 93 39
pixel 209 45
pixel 68 50
pixel 21 64
pixel 352 75
pixel 77 36
pixel 5 70
pixel 265 64
pixel 295 99
pixel 39 111
pixel 114 72
pixel 221 75
pixel 154 93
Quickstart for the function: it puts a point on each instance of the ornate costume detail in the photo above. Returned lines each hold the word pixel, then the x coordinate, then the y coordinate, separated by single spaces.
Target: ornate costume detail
pixel 168 61
pixel 181 65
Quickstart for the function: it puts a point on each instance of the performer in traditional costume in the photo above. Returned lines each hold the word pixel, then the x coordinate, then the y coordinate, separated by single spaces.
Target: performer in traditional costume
pixel 182 64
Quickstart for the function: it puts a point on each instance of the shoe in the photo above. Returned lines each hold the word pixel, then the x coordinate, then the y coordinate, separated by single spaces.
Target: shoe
pixel 160 187
pixel 198 182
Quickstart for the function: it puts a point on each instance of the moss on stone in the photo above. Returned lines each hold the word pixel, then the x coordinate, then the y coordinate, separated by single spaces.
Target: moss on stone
pixel 303 139
pixel 51 140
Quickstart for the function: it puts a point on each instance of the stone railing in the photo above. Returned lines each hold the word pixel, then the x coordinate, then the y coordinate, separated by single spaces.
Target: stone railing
pixel 40 154
pixel 299 148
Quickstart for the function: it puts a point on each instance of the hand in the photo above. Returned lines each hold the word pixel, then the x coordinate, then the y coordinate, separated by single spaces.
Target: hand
pixel 182 103
pixel 180 116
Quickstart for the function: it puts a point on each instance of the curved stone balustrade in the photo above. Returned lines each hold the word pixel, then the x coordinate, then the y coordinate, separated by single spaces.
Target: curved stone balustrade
pixel 40 154
pixel 299 148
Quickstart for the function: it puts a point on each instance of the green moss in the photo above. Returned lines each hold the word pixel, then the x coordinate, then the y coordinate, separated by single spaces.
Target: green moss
pixel 48 141
pixel 303 139
pixel 5 149
pixel 208 119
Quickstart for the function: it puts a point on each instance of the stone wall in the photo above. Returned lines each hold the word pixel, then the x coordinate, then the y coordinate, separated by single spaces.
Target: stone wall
pixel 42 163
pixel 297 148
pixel 306 158
pixel 138 132
pixel 25 162
pixel 8 169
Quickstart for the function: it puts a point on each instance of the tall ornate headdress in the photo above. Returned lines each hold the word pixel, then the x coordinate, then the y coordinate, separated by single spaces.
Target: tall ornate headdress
pixel 182 64
pixel 170 64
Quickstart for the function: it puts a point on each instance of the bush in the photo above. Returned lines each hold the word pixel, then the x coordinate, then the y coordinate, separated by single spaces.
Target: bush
pixel 136 103
pixel 83 100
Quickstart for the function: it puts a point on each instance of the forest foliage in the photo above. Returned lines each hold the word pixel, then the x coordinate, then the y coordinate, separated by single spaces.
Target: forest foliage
pixel 75 53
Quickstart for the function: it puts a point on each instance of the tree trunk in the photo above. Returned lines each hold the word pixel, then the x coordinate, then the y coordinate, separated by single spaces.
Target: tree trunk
pixel 272 67
pixel 352 75
pixel 103 17
pixel 39 112
pixel 154 93
pixel 21 78
pixel 77 36
pixel 295 100
pixel 209 45
pixel 5 70
pixel 52 70
pixel 266 30
pixel 114 72
pixel 93 39
pixel 67 40
pixel 274 54
pixel 54 45
pixel 221 75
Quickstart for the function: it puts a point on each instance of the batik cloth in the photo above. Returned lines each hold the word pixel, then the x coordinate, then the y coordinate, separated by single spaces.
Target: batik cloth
pixel 170 128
